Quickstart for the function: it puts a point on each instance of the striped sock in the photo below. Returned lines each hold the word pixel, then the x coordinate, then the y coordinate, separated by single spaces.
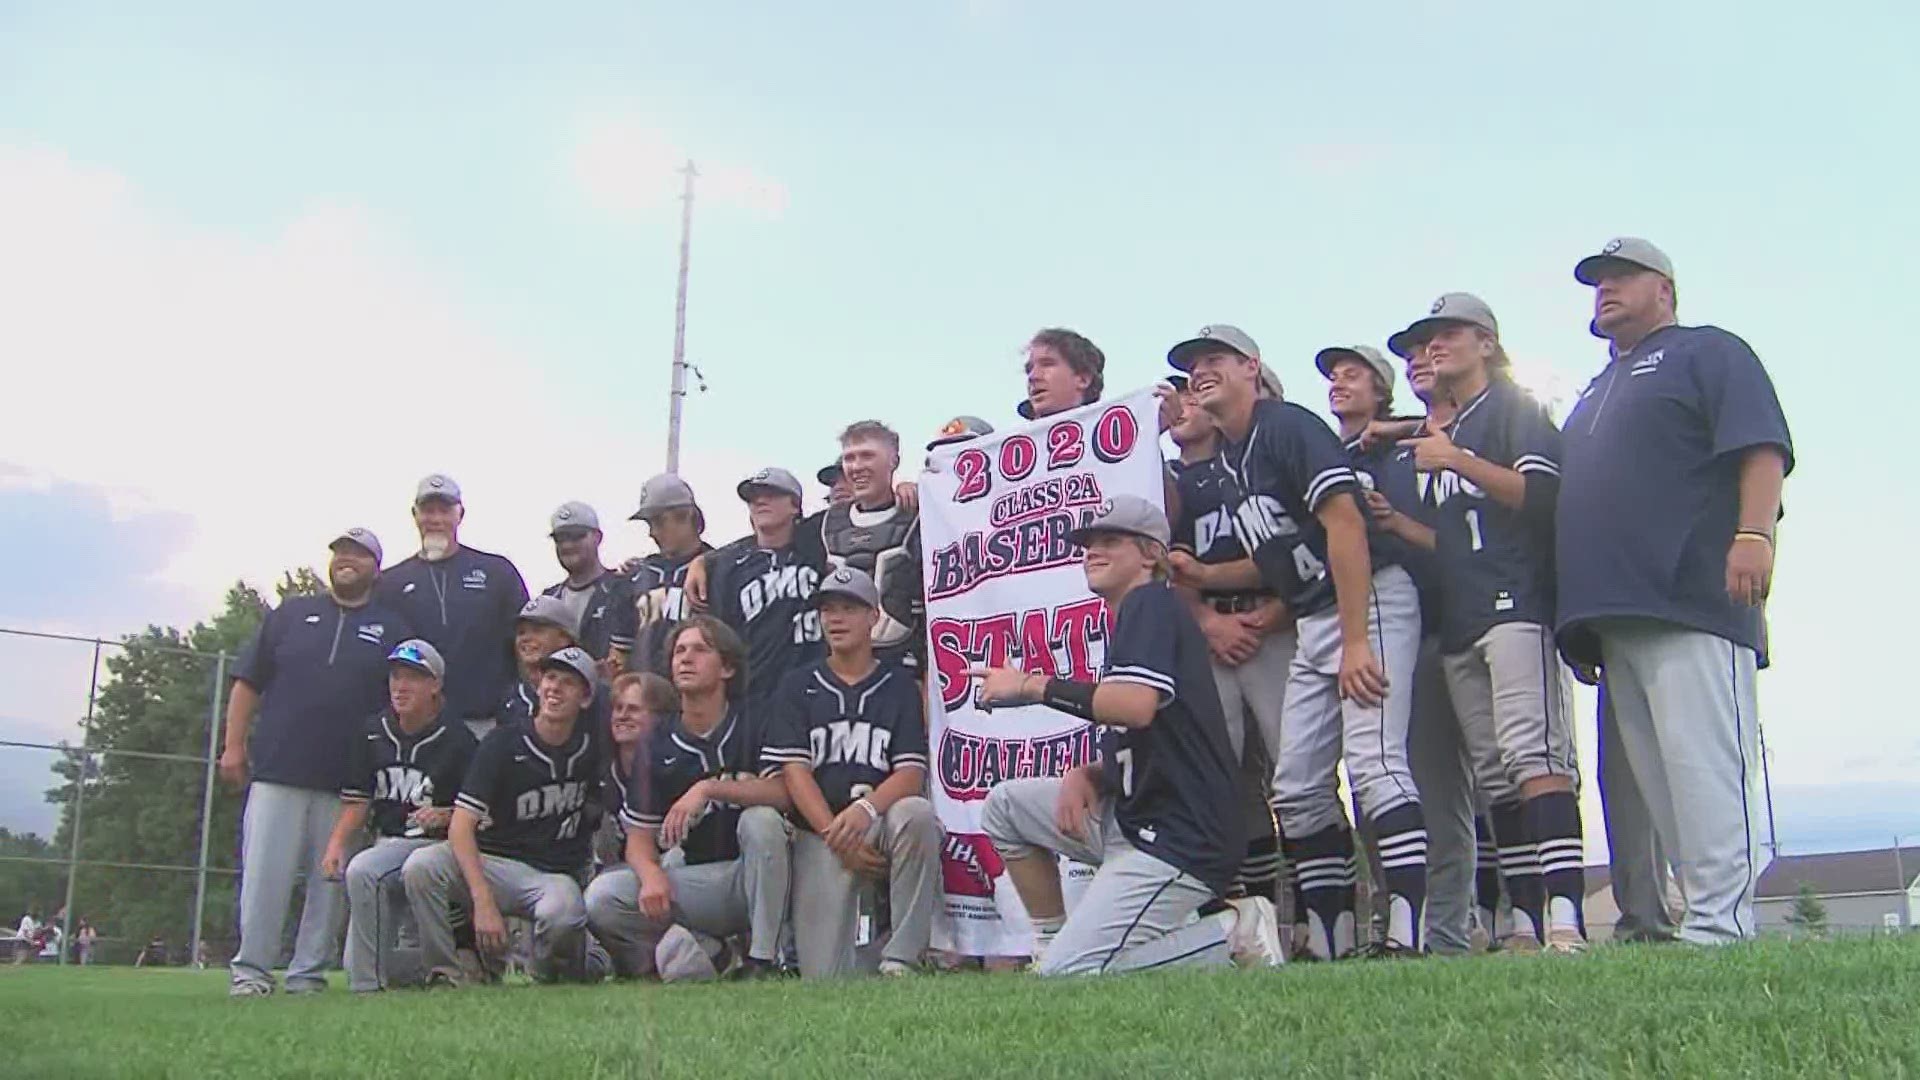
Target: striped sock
pixel 1520 867
pixel 1323 880
pixel 1486 874
pixel 1553 820
pixel 1260 870
pixel 1403 859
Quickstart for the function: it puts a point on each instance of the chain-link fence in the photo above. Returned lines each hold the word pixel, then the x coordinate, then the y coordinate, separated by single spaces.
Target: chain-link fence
pixel 130 857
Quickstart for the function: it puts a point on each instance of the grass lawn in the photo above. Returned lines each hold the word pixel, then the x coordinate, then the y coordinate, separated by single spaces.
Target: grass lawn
pixel 1843 1008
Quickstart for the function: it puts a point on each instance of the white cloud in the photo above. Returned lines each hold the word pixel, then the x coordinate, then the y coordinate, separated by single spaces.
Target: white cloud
pixel 626 166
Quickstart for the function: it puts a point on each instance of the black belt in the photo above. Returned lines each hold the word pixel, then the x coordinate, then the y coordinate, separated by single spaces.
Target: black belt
pixel 1235 603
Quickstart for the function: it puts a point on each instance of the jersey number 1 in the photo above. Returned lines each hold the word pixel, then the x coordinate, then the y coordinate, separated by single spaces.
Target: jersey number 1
pixel 1474 542
pixel 1124 756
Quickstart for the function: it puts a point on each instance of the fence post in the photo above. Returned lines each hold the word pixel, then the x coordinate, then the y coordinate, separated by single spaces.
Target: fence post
pixel 79 803
pixel 206 804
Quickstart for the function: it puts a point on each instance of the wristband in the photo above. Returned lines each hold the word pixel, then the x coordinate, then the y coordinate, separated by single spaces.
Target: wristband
pixel 1070 697
pixel 862 803
pixel 1761 535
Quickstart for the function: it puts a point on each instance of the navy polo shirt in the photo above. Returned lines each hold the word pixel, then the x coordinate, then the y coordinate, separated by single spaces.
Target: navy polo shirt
pixel 321 670
pixel 1650 486
pixel 465 605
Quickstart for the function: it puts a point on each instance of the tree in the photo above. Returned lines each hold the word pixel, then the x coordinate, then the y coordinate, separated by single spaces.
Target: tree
pixel 1809 914
pixel 25 885
pixel 158 697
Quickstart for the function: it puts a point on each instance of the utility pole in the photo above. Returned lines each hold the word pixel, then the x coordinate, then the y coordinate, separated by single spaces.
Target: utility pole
pixel 679 392
pixel 1766 778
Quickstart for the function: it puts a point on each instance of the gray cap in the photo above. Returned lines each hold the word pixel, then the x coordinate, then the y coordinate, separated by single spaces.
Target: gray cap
pixel 419 654
pixel 1128 514
pixel 436 486
pixel 960 429
pixel 1366 354
pixel 552 611
pixel 661 493
pixel 1210 339
pixel 773 477
pixel 1267 382
pixel 851 582
pixel 1630 250
pixel 362 537
pixel 575 660
pixel 830 475
pixel 1453 307
pixel 573 515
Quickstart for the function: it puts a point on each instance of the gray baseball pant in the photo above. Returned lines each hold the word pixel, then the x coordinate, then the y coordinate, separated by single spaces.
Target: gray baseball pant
pixel 1683 704
pixel 284 835
pixel 1321 728
pixel 376 904
pixel 1638 866
pixel 1253 696
pixel 1438 759
pixel 1510 693
pixel 550 901
pixel 1136 913
pixel 826 916
pixel 720 899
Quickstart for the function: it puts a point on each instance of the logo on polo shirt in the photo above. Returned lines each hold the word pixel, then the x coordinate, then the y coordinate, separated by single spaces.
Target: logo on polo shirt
pixel 314 618
pixel 372 632
pixel 1649 363
pixel 475 579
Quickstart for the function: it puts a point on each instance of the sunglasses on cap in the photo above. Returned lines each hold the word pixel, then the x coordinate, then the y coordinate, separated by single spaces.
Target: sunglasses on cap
pixel 409 654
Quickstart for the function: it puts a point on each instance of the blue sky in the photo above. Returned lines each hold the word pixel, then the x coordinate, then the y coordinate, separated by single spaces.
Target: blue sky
pixel 265 266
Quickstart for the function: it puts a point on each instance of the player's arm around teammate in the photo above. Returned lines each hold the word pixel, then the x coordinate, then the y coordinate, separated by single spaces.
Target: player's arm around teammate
pixel 699 787
pixel 1157 813
pixel 849 737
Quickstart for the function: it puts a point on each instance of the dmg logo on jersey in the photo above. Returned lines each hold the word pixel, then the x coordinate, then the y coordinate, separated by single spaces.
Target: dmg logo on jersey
pixel 850 742
pixel 783 583
pixel 1210 527
pixel 550 800
pixel 403 784
pixel 1445 485
pixel 1260 520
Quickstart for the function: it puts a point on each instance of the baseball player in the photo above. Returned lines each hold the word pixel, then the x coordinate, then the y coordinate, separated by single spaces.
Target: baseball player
pixel 600 600
pixel 1157 813
pixel 1249 634
pixel 701 789
pixel 461 599
pixel 659 580
pixel 1496 471
pixel 519 839
pixel 849 737
pixel 639 700
pixel 1295 503
pixel 876 534
pixel 834 478
pixel 761 585
pixel 401 784
pixel 1360 395
pixel 543 627
pixel 1675 456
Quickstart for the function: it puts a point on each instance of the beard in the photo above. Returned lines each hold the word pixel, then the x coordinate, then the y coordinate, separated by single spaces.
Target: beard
pixel 355 589
pixel 435 546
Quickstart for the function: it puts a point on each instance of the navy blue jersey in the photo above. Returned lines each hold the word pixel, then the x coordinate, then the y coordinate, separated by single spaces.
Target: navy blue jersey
pixel 1175 780
pixel 604 611
pixel 1650 488
pixel 534 800
pixel 321 670
pixel 885 543
pixel 659 592
pixel 1276 481
pixel 852 737
pixel 1496 563
pixel 766 596
pixel 1382 468
pixel 465 605
pixel 397 773
pixel 1423 506
pixel 674 759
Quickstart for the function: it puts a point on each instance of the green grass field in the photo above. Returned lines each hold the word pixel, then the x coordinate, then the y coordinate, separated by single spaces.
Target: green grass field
pixel 1776 1008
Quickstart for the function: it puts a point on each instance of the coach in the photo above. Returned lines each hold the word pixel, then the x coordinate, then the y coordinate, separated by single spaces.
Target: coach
pixel 314 673
pixel 460 599
pixel 1670 489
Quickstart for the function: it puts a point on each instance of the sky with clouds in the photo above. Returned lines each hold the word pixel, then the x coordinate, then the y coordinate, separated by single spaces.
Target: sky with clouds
pixel 260 268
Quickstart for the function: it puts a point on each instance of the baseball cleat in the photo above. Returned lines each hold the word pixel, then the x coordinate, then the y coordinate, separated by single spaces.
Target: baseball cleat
pixel 894 969
pixel 250 989
pixel 1521 943
pixel 1566 941
pixel 1255 938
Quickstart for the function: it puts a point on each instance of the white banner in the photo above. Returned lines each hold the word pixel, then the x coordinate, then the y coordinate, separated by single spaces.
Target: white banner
pixel 1004 587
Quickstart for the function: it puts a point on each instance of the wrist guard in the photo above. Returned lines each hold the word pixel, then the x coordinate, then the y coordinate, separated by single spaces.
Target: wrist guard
pixel 1070 697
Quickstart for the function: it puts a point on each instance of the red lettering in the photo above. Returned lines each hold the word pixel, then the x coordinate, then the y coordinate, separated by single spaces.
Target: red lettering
pixel 1115 433
pixel 1018 457
pixel 975 471
pixel 1064 445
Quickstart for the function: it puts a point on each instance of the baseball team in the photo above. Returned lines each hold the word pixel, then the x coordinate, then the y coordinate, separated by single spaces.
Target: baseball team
pixel 713 762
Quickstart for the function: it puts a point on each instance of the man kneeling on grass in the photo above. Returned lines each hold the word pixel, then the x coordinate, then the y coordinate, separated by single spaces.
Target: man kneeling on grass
pixel 519 843
pixel 1157 813
pixel 849 735
pixel 697 787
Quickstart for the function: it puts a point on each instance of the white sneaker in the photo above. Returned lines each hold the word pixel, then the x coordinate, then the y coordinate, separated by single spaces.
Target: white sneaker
pixel 1255 938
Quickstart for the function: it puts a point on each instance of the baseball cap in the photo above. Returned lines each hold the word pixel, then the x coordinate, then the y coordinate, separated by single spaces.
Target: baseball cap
pixel 551 611
pixel 772 477
pixel 572 515
pixel 574 660
pixel 362 537
pixel 419 654
pixel 436 486
pixel 1366 354
pixel 1128 514
pixel 1453 307
pixel 660 493
pixel 1209 339
pixel 848 581
pixel 960 429
pixel 1630 250
pixel 830 475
